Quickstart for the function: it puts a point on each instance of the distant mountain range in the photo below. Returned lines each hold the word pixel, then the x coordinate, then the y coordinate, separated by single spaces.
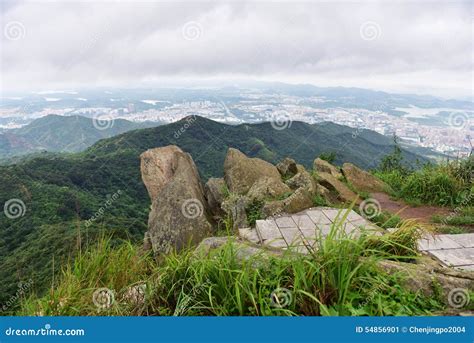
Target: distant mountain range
pixel 66 198
pixel 113 98
pixel 56 133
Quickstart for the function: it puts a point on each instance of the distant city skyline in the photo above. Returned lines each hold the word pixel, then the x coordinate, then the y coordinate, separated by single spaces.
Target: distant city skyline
pixel 416 47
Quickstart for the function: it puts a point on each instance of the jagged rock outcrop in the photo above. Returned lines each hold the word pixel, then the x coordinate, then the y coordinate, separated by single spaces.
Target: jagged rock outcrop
pixel 179 212
pixel 323 166
pixel 341 191
pixel 241 172
pixel 287 167
pixel 362 180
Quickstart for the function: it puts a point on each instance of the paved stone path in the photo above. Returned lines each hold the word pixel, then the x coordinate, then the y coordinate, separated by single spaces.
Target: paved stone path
pixel 451 250
pixel 301 231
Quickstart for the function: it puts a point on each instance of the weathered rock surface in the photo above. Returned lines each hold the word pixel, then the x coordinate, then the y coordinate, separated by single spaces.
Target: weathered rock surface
pixel 362 180
pixel 157 168
pixel 303 179
pixel 179 211
pixel 235 206
pixel 323 166
pixel 243 251
pixel 241 172
pixel 267 188
pixel 298 201
pixel 287 167
pixel 427 277
pixel 342 192
pixel 215 195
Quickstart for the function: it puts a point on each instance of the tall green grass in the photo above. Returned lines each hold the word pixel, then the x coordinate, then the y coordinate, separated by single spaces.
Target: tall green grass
pixel 445 184
pixel 338 276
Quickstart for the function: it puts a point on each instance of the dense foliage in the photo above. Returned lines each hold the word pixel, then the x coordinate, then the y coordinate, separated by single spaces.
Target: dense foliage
pixel 446 184
pixel 61 193
pixel 55 133
pixel 340 277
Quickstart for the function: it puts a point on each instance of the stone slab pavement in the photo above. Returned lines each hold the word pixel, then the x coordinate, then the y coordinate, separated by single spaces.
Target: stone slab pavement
pixel 301 232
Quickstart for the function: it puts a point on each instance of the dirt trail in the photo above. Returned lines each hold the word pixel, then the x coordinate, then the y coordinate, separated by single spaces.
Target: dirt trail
pixel 405 211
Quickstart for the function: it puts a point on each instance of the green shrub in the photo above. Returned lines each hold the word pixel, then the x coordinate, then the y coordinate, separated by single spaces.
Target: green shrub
pixel 328 156
pixel 446 184
pixel 431 185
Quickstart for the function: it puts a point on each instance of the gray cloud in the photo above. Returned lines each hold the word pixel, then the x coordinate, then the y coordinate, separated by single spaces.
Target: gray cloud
pixel 417 46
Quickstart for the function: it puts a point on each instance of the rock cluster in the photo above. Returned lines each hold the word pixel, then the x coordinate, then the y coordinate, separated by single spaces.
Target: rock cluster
pixel 184 211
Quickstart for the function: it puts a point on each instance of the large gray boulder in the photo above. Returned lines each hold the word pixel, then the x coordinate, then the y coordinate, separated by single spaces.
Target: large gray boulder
pixel 179 212
pixel 241 172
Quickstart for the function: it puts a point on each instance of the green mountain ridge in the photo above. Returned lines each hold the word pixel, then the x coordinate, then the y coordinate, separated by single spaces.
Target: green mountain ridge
pixel 56 133
pixel 63 192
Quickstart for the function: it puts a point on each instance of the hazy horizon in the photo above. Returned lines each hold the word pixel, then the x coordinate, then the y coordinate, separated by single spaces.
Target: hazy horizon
pixel 416 47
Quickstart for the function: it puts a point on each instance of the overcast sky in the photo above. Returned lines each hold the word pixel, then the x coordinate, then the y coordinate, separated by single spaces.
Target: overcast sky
pixel 405 46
